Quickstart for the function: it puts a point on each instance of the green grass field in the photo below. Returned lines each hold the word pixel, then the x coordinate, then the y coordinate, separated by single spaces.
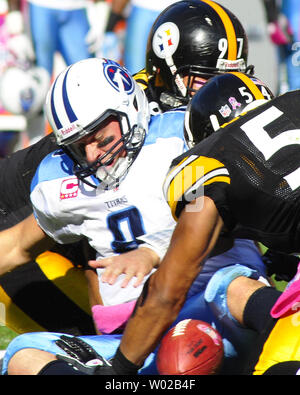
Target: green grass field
pixel 6 335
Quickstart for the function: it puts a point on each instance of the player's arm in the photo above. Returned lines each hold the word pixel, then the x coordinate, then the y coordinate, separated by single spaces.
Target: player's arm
pixel 22 243
pixel 164 294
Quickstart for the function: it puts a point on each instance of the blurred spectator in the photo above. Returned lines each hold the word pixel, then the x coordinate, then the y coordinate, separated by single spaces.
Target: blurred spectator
pixel 55 26
pixel 139 15
pixel 40 29
pixel 283 18
pixel 11 125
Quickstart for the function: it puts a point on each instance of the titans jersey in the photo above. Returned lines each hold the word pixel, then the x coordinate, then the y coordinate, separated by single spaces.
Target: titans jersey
pixel 56 277
pixel 251 170
pixel 117 220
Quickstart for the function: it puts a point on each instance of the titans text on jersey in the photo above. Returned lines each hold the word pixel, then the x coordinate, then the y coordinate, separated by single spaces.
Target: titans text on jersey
pixel 116 220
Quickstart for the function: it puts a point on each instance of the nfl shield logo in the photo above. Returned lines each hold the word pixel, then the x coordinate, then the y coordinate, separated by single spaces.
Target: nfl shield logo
pixel 225 111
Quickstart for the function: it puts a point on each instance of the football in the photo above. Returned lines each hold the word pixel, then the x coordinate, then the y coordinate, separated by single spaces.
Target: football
pixel 191 347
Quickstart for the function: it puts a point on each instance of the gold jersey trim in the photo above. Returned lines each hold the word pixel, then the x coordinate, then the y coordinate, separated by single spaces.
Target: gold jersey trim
pixel 142 79
pixel 188 176
pixel 282 344
pixel 250 84
pixel 229 28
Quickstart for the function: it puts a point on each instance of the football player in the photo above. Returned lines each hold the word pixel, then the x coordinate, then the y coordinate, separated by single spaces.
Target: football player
pixel 244 92
pixel 123 122
pixel 228 50
pixel 190 42
pixel 242 180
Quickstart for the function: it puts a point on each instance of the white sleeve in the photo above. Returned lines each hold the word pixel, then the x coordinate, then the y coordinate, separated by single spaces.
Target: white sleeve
pixel 56 226
pixel 158 242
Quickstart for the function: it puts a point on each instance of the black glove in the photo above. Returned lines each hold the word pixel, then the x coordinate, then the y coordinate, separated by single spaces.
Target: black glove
pixel 283 265
pixel 83 357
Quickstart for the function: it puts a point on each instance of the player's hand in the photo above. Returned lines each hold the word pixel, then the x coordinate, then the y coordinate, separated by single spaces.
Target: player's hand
pixel 137 263
pixel 280 31
pixel 96 15
pixel 18 42
pixel 83 357
pixel 93 40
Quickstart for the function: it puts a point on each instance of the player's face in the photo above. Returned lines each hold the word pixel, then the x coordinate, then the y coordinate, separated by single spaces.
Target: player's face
pixel 196 83
pixel 102 141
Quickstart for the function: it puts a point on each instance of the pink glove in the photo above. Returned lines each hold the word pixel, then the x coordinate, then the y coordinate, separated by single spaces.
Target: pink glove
pixel 289 301
pixel 280 31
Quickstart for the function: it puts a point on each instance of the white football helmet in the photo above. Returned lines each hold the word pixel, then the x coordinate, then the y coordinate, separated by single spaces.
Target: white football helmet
pixel 81 98
pixel 23 91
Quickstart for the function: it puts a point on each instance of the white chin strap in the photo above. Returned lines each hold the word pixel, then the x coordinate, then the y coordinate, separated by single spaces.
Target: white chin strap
pixel 111 176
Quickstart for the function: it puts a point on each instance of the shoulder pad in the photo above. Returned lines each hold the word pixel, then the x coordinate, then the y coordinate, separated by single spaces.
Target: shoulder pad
pixel 141 78
pixel 185 181
pixel 55 165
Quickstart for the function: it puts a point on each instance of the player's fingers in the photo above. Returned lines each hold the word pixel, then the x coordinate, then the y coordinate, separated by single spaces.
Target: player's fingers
pixel 127 279
pixel 110 275
pixel 101 263
pixel 139 279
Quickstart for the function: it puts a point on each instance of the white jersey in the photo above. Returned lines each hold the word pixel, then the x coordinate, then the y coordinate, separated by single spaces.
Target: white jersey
pixel 118 220
pixel 61 4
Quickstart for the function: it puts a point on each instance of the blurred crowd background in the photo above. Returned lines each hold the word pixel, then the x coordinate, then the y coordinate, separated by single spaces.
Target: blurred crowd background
pixel 24 81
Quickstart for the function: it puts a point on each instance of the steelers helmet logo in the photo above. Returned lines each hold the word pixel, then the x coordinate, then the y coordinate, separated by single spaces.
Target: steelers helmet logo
pixel 165 40
pixel 118 78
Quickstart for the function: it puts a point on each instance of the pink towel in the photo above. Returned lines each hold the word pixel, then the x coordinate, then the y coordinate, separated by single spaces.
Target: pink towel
pixel 110 318
pixel 289 300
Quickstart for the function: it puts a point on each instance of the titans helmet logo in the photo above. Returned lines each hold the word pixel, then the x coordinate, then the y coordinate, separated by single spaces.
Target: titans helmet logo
pixel 118 77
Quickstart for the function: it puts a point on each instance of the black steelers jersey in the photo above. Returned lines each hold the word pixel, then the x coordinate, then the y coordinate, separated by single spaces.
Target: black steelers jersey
pixel 16 172
pixel 251 169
